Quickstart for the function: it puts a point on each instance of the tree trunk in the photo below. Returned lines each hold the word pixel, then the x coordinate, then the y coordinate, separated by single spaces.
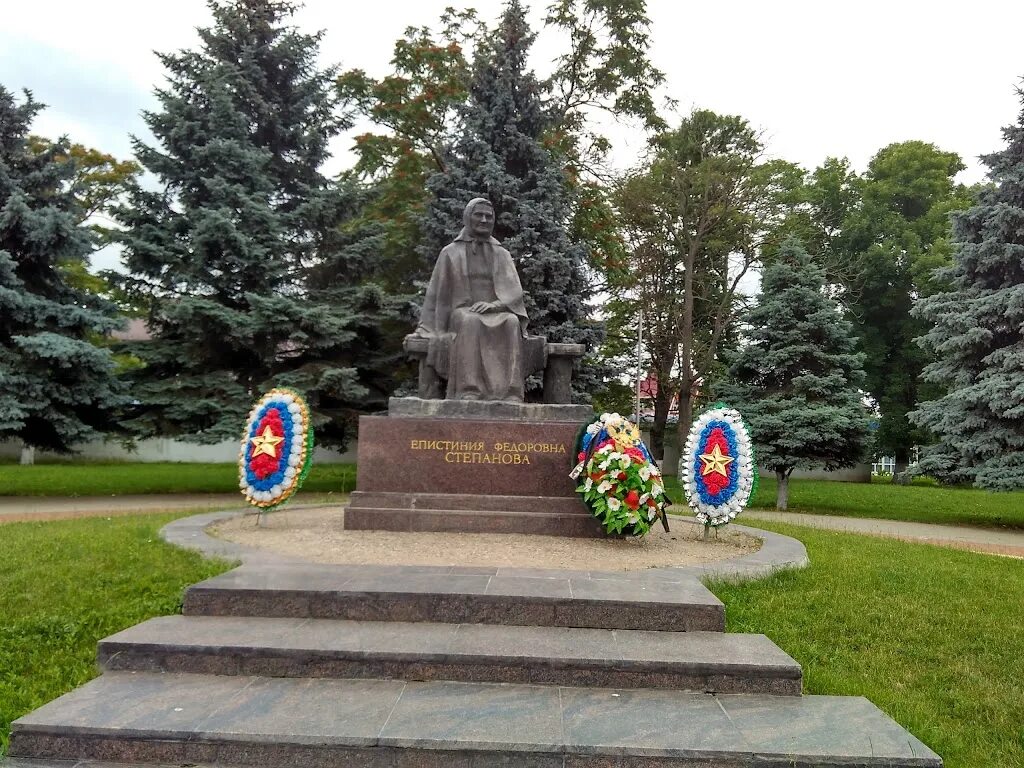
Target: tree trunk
pixel 685 409
pixel 661 406
pixel 902 463
pixel 685 414
pixel 657 445
pixel 782 496
pixel 28 455
pixel 685 421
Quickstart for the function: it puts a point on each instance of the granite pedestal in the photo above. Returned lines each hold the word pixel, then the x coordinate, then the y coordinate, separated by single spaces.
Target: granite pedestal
pixel 470 466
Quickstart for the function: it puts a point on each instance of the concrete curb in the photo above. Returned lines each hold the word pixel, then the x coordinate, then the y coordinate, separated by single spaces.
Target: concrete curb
pixel 777 552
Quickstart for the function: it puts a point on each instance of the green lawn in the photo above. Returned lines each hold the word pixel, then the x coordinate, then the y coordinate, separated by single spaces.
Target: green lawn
pixel 917 503
pixel 66 585
pixel 116 478
pixel 930 635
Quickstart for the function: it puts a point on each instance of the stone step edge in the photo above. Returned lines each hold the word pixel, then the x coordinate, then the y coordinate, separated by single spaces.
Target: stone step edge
pixel 292 655
pixel 404 594
pixel 466 501
pixel 470 513
pixel 456 608
pixel 239 721
pixel 573 525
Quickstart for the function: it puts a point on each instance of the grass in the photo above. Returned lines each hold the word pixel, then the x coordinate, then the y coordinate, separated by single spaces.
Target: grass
pixel 932 636
pixel 915 503
pixel 116 478
pixel 66 585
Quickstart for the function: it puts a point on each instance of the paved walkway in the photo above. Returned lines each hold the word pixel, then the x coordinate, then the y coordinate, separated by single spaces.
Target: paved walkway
pixel 990 540
pixel 22 508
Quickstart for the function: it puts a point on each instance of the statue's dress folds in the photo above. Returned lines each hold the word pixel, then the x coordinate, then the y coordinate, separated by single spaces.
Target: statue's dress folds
pixel 481 355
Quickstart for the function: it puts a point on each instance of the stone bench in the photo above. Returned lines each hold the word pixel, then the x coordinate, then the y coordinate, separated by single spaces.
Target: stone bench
pixel 556 364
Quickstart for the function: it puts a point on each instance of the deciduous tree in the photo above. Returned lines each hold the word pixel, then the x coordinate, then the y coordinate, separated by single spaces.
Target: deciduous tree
pixel 896 239
pixel 695 218
pixel 415 111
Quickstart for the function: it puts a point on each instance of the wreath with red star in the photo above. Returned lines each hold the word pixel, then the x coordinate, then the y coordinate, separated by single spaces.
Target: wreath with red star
pixel 277 448
pixel 719 474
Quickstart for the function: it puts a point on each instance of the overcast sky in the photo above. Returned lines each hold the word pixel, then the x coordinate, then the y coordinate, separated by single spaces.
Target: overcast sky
pixel 817 78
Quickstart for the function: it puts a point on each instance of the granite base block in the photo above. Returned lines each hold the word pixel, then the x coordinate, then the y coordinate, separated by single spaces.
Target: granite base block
pixel 488 410
pixel 470 521
pixel 477 457
pixel 468 475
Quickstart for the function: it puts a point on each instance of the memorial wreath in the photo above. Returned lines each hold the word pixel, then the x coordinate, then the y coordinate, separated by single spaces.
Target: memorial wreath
pixel 621 483
pixel 277 447
pixel 718 467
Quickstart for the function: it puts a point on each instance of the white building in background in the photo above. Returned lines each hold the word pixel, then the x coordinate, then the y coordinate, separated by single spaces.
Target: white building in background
pixel 883 465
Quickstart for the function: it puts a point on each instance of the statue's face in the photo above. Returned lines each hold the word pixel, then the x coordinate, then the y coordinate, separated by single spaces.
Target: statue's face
pixel 481 221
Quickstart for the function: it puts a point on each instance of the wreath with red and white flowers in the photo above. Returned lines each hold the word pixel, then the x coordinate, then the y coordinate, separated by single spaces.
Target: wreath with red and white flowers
pixel 277 448
pixel 718 470
pixel 621 483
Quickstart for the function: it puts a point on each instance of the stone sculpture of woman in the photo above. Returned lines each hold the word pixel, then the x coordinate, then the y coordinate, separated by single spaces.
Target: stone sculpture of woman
pixel 474 315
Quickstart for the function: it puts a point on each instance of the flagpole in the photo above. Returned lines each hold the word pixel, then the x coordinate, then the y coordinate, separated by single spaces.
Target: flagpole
pixel 639 364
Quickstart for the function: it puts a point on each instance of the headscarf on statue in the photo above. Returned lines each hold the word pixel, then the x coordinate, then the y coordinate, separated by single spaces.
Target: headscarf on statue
pixel 449 288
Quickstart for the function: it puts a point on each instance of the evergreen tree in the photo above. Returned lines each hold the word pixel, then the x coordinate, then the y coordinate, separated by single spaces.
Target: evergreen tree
pixel 501 154
pixel 57 388
pixel 226 250
pixel 797 379
pixel 977 336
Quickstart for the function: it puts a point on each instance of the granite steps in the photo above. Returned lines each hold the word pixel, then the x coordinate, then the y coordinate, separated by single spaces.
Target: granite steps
pixel 403 623
pixel 313 648
pixel 184 719
pixel 550 598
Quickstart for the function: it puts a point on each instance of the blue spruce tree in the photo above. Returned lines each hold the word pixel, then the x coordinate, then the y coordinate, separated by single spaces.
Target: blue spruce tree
pixel 977 336
pixel 251 280
pixel 797 380
pixel 501 153
pixel 57 388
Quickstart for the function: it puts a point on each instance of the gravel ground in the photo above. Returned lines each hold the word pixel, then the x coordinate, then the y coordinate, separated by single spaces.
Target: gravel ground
pixel 317 535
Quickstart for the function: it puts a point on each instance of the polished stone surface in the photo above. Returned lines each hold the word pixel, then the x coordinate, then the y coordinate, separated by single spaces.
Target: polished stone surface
pixel 476 716
pixel 369 593
pixel 482 457
pixel 696 661
pixel 577 524
pixel 490 409
pixel 422 502
pixel 470 474
pixel 260 721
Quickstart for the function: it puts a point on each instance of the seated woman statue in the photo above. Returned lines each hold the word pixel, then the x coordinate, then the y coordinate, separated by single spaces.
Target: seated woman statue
pixel 474 314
